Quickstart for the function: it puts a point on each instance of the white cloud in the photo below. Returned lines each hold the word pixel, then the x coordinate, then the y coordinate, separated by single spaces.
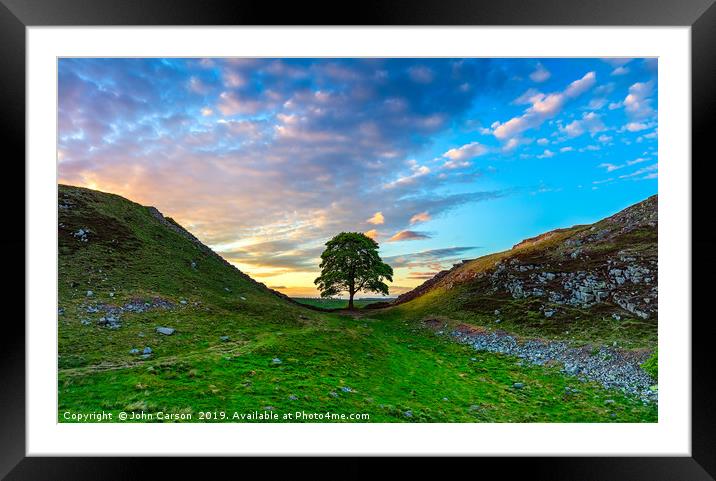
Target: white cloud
pixel 540 74
pixel 637 103
pixel 590 122
pixel 543 141
pixel 467 151
pixel 566 149
pixel 636 126
pixel 546 154
pixel 620 71
pixel 543 107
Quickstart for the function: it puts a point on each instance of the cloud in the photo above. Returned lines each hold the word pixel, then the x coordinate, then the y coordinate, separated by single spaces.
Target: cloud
pixel 636 126
pixel 406 235
pixel 610 167
pixel 591 122
pixel 650 172
pixel 435 259
pixel 546 154
pixel 637 103
pixel 376 219
pixel 467 151
pixel 421 217
pixel 540 74
pixel 373 234
pixel 542 108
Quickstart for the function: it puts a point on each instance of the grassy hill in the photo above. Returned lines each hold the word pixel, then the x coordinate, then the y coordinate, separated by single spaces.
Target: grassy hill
pixel 231 345
pixel 586 284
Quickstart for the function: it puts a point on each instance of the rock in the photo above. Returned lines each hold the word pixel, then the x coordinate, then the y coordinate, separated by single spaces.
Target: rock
pixel 497 321
pixel 497 312
pixel 111 294
pixel 224 338
pixel 193 265
pixel 167 331
pixel 227 289
pixel 134 351
pixel 609 401
pixel 276 360
pixel 145 356
pixel 408 414
pixel 269 408
pixel 445 399
pixel 346 389
pixel 518 385
pixel 293 397
pixel 242 298
pixel 90 293
pixel 333 394
pixel 183 301
pixel 549 312
pixel 147 350
pixel 616 317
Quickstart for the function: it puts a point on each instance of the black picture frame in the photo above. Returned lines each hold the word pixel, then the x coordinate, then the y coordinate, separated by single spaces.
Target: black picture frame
pixel 700 15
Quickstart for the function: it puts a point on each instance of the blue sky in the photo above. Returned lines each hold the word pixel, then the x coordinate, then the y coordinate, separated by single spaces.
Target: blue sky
pixel 437 159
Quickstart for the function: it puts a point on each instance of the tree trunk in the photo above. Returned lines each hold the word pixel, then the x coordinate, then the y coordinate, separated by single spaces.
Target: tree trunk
pixel 350 301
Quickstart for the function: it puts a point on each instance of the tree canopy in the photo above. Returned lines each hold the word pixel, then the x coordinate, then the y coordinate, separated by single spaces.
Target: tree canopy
pixel 350 263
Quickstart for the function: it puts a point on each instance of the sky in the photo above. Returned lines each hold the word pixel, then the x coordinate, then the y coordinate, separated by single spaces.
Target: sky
pixel 437 159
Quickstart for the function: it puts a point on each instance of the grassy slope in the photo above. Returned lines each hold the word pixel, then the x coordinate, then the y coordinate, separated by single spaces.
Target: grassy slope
pixel 391 366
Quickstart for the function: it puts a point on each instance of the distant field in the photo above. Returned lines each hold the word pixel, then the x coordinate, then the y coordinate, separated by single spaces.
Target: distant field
pixel 335 303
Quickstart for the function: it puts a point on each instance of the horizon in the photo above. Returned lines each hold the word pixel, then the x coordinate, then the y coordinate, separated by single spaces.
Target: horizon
pixel 264 160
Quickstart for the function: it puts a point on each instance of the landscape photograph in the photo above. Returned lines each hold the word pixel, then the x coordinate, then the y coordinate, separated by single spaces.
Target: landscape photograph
pixel 357 240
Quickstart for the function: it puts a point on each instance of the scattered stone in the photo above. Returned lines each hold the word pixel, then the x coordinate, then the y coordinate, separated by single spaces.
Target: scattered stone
pixel 609 401
pixel 242 298
pixel 85 322
pixel 333 394
pixel 227 289
pixel 60 311
pixel 145 356
pixel 134 351
pixel 90 293
pixel 276 360
pixel 167 331
pixel 183 301
pixel 445 399
pixel 518 385
pixel 111 294
pixel 224 338
pixel 497 321
pixel 497 312
pixel 346 389
pixel 293 397
pixel 549 312
pixel 269 408
pixel 147 350
pixel 408 414
pixel 616 317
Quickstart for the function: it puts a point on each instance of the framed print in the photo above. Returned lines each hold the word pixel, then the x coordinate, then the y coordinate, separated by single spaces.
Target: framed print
pixel 449 231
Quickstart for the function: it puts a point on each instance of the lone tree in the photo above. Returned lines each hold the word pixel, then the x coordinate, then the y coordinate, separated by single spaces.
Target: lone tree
pixel 350 264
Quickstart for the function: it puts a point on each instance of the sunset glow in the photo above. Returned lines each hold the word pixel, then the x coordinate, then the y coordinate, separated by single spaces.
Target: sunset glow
pixel 438 160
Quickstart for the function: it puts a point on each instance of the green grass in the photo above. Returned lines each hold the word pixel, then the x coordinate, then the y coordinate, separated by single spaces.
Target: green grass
pixel 331 303
pixel 391 365
pixel 522 317
pixel 391 368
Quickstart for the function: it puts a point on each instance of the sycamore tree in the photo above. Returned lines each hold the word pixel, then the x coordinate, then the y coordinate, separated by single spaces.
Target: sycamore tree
pixel 351 264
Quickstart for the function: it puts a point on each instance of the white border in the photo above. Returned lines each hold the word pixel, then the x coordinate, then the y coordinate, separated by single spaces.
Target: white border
pixel 670 436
